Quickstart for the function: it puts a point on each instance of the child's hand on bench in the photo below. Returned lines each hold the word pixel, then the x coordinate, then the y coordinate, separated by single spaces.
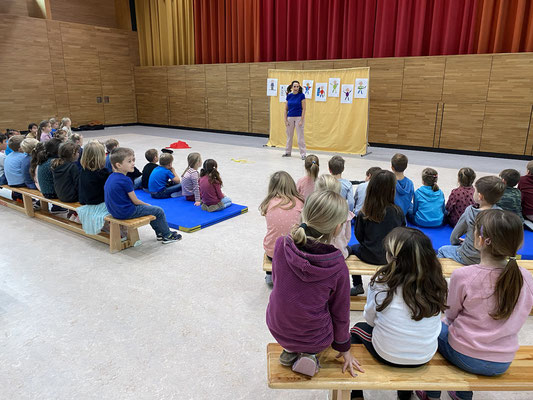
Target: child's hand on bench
pixel 349 363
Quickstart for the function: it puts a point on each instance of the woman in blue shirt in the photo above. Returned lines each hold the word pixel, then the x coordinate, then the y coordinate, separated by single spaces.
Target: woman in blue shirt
pixel 294 118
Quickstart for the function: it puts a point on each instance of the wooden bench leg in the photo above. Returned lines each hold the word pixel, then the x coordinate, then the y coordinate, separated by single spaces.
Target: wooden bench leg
pixel 133 236
pixel 28 205
pixel 44 206
pixel 115 243
pixel 340 395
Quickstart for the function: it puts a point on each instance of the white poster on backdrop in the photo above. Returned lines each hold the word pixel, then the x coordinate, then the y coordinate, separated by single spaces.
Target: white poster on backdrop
pixel 361 88
pixel 307 88
pixel 347 94
pixel 283 93
pixel 334 87
pixel 321 91
pixel 272 87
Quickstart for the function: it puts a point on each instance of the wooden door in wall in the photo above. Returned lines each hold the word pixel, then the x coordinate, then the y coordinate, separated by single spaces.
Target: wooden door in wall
pixel 82 71
pixel 116 73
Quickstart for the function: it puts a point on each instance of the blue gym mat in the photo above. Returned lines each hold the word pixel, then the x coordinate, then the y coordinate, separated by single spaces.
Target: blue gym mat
pixel 441 236
pixel 185 216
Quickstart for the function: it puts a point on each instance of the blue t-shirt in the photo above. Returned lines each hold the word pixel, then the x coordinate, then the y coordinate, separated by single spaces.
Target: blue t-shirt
pixel 108 164
pixel 8 149
pixel 13 168
pixel 116 197
pixel 294 104
pixel 158 179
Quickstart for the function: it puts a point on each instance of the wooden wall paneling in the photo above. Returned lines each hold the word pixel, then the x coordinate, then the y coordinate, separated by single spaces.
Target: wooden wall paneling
pixel 238 117
pixel 82 69
pixel 177 95
pixel 384 119
pixel 461 126
pixel 215 80
pixel 466 78
pixel 151 87
pixel 417 123
pixel 325 64
pixel 238 78
pixel 217 113
pixel 529 144
pixel 116 73
pixel 423 78
pixel 438 124
pixel 23 81
pixel 296 65
pixel 511 78
pixel 58 68
pixel 386 78
pixel 505 128
pixel 196 96
pixel 260 119
pixel 89 12
pixel 123 14
pixel 258 78
pixel 14 7
pixel 135 58
pixel 351 63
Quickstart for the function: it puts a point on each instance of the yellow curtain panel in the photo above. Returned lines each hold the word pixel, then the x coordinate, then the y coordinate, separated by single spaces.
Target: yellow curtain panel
pixel 166 32
pixel 329 125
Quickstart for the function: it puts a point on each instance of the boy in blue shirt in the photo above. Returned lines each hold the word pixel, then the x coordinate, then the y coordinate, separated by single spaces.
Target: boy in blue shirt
pixel 336 168
pixel 13 165
pixel 405 190
pixel 121 201
pixel 164 182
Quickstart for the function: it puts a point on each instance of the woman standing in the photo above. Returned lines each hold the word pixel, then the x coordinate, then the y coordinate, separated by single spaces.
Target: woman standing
pixel 294 118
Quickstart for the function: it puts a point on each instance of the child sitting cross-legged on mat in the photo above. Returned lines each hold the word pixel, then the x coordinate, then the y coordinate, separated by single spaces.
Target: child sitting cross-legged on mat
pixel 152 158
pixel 461 197
pixel 281 208
pixel 428 205
pixel 164 182
pixel 512 198
pixel 309 307
pixel 341 240
pixel 403 306
pixel 189 183
pixel 121 201
pixel 488 302
pixel 488 191
pixel 210 183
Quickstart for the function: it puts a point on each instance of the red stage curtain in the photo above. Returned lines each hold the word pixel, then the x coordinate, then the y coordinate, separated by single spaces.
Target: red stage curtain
pixel 226 31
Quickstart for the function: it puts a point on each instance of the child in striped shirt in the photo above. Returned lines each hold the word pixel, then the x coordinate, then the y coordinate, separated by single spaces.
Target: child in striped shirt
pixel 190 187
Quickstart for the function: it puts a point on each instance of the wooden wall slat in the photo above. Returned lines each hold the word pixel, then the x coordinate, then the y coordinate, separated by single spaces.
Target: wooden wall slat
pixel 196 110
pixel 466 78
pixel 178 110
pixel 58 68
pixel 238 80
pixel 289 65
pixel 89 12
pixel 215 81
pixel 14 7
pixel 423 78
pixel 505 128
pixel 260 115
pixel 417 123
pixel 217 109
pixel 386 78
pixel 350 63
pixel 511 79
pixel 258 78
pixel 195 79
pixel 151 84
pixel 461 126
pixel 238 116
pixel 314 65
pixel 384 120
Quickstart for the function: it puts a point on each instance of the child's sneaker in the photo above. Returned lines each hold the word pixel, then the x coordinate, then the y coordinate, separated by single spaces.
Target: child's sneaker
pixel 357 290
pixel 453 395
pixel 307 364
pixel 287 358
pixel 159 237
pixel 171 238
pixel 422 395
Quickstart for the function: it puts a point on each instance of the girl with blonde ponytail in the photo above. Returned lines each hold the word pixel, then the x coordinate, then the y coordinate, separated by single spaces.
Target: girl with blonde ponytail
pixel 488 302
pixel 309 307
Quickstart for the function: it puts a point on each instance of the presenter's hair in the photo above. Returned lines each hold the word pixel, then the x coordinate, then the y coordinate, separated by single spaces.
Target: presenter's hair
pixel 289 88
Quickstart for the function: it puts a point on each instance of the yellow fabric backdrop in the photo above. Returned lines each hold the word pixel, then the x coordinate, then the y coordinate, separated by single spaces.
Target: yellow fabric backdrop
pixel 166 31
pixel 329 126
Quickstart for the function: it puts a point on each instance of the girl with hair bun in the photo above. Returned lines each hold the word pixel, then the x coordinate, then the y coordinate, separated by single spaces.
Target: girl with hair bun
pixel 306 184
pixel 429 205
pixel 309 307
pixel 488 302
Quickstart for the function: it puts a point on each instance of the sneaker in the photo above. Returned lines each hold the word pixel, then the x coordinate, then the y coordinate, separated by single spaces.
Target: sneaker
pixel 57 210
pixel 303 157
pixel 307 364
pixel 268 280
pixel 357 290
pixel 422 395
pixel 453 395
pixel 171 238
pixel 159 237
pixel 287 358
pixel 286 155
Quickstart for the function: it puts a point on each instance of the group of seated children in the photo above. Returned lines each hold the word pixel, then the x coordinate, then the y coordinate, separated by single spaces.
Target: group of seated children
pixel 484 305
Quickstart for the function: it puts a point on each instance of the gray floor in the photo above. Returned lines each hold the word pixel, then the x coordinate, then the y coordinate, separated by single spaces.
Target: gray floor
pixel 180 321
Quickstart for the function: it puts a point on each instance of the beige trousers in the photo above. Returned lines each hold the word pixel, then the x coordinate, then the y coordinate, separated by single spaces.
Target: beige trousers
pixel 294 123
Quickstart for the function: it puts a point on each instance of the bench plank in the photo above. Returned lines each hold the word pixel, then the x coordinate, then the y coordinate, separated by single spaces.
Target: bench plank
pixel 438 374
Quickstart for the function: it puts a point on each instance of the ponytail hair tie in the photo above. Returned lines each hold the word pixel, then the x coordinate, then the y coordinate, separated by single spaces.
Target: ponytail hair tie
pixel 314 162
pixel 303 225
pixel 511 258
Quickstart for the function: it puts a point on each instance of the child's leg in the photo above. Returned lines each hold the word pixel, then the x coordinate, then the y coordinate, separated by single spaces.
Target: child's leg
pixel 167 192
pixel 137 183
pixel 226 201
pixel 159 225
pixel 450 251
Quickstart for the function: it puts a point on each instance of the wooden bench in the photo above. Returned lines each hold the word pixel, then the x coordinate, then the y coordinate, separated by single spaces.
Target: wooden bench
pixel 113 238
pixel 358 267
pixel 438 374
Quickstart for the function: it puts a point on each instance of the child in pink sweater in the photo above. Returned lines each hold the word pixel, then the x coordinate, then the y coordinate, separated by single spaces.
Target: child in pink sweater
pixel 306 185
pixel 488 302
pixel 210 188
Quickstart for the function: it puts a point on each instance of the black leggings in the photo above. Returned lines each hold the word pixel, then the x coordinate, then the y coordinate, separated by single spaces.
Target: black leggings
pixel 361 333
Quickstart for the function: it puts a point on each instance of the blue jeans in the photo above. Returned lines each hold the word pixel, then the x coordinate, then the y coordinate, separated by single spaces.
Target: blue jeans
pixel 450 251
pixel 3 180
pixel 166 192
pixel 137 183
pixel 356 251
pixel 159 225
pixel 226 201
pixel 466 363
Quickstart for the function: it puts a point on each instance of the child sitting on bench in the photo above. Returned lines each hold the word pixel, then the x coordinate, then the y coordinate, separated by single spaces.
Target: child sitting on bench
pixel 488 303
pixel 461 197
pixel 306 184
pixel 309 307
pixel 404 303
pixel 66 172
pixel 121 201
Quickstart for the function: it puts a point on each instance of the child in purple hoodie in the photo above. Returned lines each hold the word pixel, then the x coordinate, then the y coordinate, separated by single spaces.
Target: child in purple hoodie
pixel 309 307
